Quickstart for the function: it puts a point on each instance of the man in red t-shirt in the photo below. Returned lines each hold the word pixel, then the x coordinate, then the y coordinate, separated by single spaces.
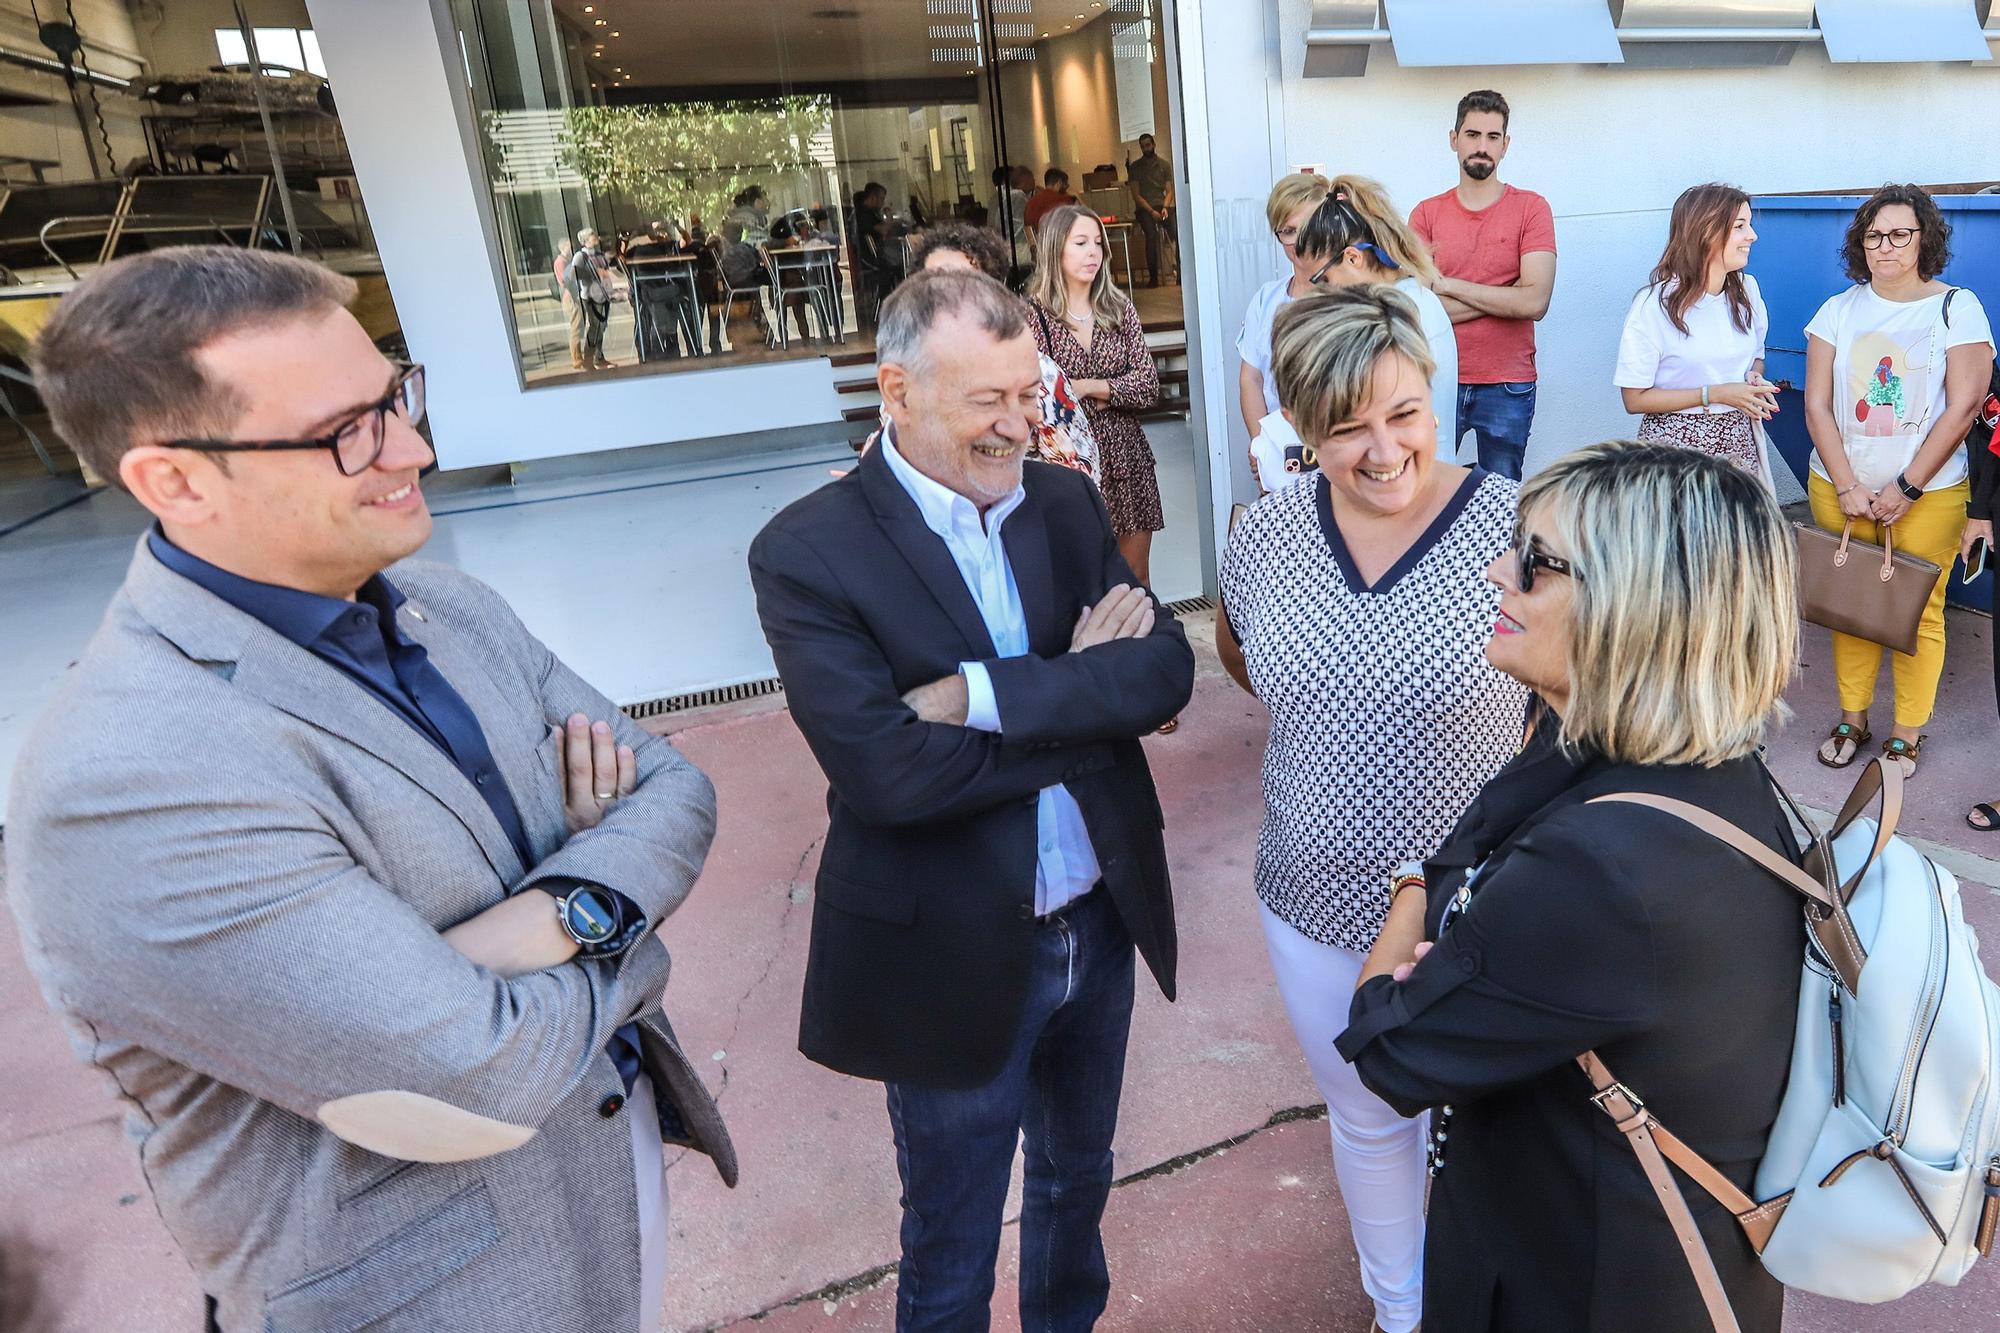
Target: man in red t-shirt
pixel 1053 195
pixel 1496 246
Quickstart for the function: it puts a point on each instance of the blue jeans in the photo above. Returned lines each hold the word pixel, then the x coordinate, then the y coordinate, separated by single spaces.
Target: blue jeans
pixel 1057 1096
pixel 1499 416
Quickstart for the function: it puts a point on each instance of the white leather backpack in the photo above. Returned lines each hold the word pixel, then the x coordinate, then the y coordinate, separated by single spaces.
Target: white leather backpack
pixel 1882 1172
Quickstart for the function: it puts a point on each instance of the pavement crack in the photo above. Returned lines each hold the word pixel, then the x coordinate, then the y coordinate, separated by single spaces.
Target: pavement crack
pixel 792 900
pixel 841 1289
pixel 1289 1115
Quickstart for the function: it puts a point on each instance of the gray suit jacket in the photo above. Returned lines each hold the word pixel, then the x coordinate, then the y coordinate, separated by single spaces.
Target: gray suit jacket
pixel 231 866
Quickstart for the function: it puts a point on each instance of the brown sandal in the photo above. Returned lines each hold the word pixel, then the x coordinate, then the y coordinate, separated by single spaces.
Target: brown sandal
pixel 1904 753
pixel 1844 733
pixel 1168 728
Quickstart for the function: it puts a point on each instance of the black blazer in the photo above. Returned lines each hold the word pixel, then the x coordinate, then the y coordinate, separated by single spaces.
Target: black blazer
pixel 924 914
pixel 1614 928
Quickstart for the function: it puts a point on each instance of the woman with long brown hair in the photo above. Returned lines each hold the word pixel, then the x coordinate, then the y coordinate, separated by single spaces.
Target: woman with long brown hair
pixel 1091 330
pixel 1691 360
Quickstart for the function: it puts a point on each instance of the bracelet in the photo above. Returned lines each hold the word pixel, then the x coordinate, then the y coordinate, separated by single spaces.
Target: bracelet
pixel 1845 489
pixel 1704 398
pixel 1910 493
pixel 1401 882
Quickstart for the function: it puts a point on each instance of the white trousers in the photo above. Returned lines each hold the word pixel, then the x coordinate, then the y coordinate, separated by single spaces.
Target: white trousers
pixel 1378 1156
pixel 649 1168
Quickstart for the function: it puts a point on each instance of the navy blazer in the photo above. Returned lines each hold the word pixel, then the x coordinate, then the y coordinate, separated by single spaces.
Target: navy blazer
pixel 924 915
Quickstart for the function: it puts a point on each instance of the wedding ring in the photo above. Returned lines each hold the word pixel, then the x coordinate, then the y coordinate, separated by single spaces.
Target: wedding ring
pixel 606 795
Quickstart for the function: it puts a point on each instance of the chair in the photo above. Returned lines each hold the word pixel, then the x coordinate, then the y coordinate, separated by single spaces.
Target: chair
pixel 807 273
pixel 731 292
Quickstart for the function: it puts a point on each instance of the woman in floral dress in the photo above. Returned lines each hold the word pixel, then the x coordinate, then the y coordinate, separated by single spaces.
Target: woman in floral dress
pixel 1091 330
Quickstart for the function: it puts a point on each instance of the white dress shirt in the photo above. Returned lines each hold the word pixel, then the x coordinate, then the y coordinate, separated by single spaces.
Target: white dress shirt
pixel 1065 863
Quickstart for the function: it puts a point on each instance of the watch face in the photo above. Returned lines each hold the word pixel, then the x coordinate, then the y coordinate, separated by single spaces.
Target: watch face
pixel 590 916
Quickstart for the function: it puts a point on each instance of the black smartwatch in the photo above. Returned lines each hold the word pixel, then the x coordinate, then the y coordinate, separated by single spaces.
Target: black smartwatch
pixel 594 917
pixel 1910 493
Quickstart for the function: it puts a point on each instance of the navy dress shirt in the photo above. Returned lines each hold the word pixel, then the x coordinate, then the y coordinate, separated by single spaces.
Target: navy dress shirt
pixel 362 641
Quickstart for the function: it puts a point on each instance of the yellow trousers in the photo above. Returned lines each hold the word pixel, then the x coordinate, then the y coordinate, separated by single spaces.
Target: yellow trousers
pixel 1930 529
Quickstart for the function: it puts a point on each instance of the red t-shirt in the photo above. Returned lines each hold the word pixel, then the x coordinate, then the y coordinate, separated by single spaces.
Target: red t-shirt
pixel 1042 203
pixel 1486 248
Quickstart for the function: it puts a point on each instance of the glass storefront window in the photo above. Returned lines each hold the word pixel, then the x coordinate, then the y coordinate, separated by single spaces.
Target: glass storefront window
pixel 717 182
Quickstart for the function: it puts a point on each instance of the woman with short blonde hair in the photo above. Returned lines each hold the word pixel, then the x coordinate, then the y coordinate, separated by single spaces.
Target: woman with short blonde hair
pixel 1355 607
pixel 1648 598
pixel 1091 331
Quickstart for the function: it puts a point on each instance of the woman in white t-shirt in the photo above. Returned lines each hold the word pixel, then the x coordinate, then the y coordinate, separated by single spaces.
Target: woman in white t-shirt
pixel 1292 201
pixel 1895 368
pixel 1691 359
pixel 1356 236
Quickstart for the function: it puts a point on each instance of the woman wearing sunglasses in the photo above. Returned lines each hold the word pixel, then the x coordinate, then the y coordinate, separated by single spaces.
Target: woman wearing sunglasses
pixel 1355 607
pixel 1292 201
pixel 1355 236
pixel 1896 366
pixel 1562 927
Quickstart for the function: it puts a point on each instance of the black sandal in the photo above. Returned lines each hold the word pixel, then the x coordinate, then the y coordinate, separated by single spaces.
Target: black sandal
pixel 1904 753
pixel 1843 733
pixel 1985 811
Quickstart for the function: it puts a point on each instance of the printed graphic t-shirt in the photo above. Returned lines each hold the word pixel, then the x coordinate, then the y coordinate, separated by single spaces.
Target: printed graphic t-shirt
pixel 1486 247
pixel 1888 376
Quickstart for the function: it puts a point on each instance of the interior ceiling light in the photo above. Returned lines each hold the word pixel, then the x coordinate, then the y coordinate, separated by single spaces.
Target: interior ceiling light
pixel 617 34
pixel 598 22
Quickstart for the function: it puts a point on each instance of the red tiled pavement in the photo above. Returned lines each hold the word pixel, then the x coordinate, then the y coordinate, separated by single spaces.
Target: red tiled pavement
pixel 1249 1238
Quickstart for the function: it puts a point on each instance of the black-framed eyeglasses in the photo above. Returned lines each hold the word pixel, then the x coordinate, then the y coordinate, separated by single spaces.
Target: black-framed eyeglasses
pixel 356 443
pixel 1286 235
pixel 1530 557
pixel 1895 238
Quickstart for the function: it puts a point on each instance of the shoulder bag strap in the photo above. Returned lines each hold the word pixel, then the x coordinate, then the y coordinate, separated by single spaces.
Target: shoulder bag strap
pixel 1041 317
pixel 1647 1139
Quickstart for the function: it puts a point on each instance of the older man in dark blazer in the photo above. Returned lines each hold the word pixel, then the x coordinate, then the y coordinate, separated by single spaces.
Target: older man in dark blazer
pixel 972 664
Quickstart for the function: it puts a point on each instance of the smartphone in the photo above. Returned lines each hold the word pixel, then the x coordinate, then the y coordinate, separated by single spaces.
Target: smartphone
pixel 1975 560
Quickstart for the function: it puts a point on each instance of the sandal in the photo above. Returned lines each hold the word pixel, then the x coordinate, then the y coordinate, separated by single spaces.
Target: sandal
pixel 1845 733
pixel 1904 753
pixel 1168 728
pixel 1986 812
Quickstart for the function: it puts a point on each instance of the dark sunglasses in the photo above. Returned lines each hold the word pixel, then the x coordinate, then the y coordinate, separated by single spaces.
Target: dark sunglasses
pixel 356 443
pixel 1530 557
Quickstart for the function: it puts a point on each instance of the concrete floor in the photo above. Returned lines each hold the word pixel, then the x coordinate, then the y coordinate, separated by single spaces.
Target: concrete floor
pixel 1228 1217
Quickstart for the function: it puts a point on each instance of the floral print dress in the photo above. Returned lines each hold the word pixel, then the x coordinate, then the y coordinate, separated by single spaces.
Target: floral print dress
pixel 1125 468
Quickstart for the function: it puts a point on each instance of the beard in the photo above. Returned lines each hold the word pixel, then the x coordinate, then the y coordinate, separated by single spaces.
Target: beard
pixel 1478 168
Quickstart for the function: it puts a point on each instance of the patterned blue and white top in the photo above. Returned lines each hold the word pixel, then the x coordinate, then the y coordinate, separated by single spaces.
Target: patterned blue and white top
pixel 1386 719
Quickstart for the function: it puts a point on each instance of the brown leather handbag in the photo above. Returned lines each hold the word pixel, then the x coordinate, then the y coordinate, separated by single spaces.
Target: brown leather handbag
pixel 1859 588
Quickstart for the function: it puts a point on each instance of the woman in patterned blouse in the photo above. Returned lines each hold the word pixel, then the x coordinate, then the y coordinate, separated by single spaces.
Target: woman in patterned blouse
pixel 1355 605
pixel 1091 329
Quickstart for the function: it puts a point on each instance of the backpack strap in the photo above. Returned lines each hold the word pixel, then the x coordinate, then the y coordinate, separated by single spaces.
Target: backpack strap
pixel 1636 1123
pixel 1826 913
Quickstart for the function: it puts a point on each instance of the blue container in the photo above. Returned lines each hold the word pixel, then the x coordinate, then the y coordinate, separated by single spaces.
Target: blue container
pixel 1797 264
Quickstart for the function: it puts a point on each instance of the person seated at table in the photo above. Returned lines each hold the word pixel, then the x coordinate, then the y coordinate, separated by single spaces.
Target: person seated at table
pixel 877 272
pixel 785 236
pixel 741 266
pixel 1053 195
pixel 659 297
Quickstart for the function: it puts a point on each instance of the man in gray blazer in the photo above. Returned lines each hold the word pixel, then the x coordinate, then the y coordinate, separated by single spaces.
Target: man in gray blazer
pixel 345 880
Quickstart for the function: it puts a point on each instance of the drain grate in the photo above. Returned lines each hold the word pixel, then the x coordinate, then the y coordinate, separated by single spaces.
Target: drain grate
pixel 727 694
pixel 757 689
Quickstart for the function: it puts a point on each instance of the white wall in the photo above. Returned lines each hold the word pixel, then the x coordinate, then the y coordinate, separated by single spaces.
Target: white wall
pixel 1612 147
